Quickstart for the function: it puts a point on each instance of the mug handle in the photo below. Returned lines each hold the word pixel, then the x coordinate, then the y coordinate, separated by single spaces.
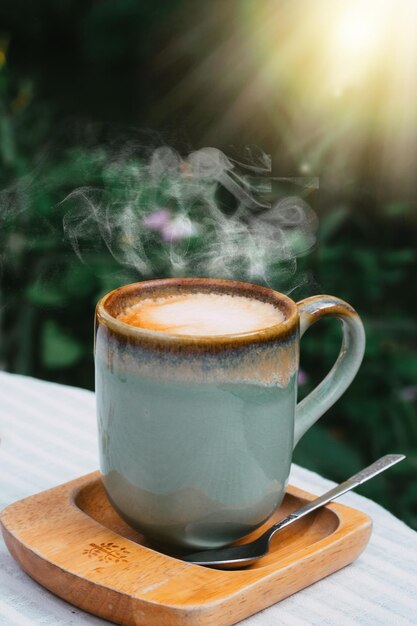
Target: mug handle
pixel 343 371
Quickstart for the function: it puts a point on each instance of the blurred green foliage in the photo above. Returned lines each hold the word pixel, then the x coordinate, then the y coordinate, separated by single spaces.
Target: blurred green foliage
pixel 366 254
pixel 359 259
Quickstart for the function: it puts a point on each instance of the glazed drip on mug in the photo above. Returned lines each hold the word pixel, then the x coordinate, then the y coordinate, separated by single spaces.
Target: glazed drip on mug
pixel 202 314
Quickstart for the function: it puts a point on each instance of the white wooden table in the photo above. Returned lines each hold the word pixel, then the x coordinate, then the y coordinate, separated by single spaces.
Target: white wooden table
pixel 48 436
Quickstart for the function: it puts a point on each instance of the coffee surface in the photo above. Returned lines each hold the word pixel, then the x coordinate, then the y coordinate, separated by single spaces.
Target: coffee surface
pixel 202 314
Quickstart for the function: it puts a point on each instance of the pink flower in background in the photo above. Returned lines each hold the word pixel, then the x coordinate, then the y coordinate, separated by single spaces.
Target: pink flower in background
pixel 157 220
pixel 302 377
pixel 409 394
pixel 172 229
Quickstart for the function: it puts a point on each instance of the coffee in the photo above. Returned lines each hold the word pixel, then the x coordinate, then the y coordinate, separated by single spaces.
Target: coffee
pixel 202 314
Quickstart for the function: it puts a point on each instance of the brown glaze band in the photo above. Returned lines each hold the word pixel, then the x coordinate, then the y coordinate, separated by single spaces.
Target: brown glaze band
pixel 111 305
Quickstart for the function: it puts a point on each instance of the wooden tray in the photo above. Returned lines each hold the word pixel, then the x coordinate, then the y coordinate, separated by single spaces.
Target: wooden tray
pixel 72 542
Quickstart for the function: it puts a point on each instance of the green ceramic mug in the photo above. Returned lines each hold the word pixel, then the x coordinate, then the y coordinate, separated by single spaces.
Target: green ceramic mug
pixel 196 433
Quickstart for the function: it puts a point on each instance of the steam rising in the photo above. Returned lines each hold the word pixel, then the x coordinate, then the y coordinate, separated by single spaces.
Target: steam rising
pixel 205 215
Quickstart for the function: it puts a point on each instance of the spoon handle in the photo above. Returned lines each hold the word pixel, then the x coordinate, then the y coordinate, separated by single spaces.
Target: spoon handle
pixel 369 472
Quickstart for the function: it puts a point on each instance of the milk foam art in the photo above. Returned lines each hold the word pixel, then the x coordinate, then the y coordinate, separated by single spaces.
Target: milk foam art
pixel 202 314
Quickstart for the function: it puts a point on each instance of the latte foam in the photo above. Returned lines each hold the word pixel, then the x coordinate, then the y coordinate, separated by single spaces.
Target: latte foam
pixel 202 314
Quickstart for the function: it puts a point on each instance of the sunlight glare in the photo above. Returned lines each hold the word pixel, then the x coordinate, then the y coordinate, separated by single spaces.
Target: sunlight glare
pixel 357 38
pixel 356 33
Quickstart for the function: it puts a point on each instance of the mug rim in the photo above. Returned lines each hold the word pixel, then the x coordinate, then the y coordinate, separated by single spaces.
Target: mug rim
pixel 281 330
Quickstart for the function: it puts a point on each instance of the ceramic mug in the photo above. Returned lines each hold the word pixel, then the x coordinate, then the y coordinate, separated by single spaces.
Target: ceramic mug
pixel 196 433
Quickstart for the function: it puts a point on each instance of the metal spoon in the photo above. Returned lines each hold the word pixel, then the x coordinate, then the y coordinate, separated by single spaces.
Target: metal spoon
pixel 244 555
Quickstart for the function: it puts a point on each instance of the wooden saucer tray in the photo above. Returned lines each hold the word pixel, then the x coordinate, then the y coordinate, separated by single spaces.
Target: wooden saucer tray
pixel 70 540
